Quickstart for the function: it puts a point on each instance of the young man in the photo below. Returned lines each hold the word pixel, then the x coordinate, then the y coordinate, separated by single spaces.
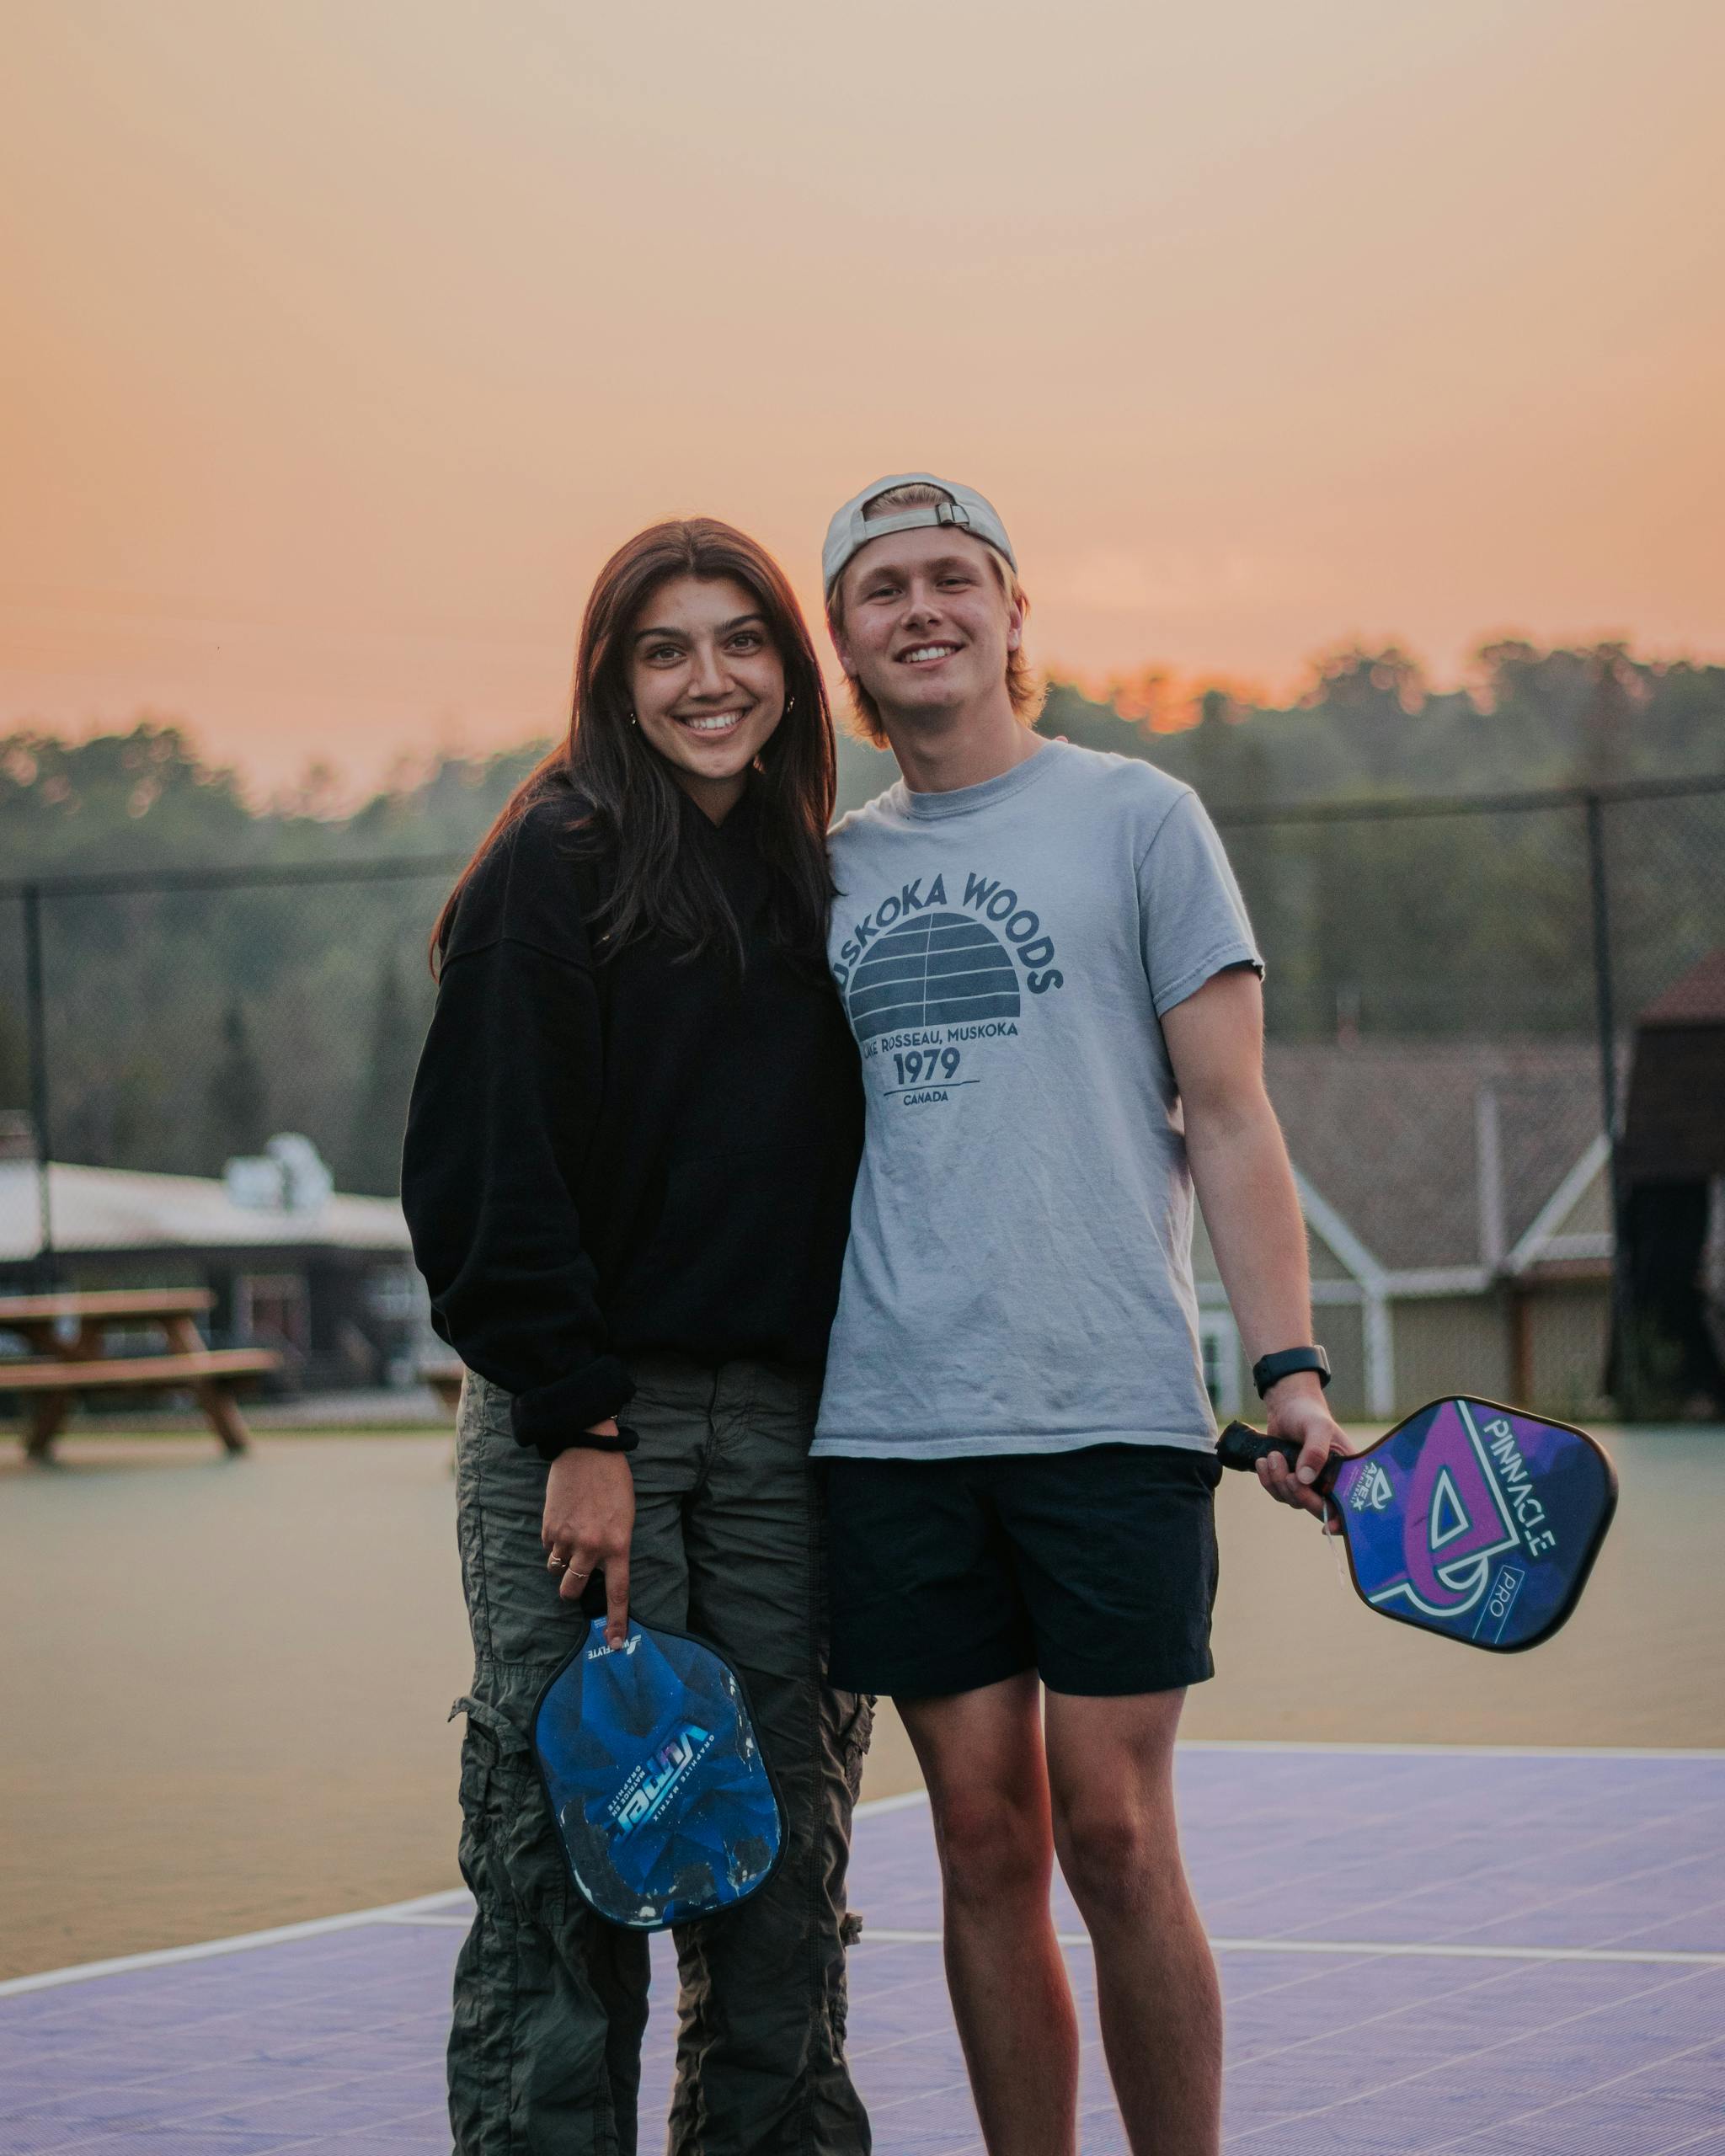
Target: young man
pixel 1054 986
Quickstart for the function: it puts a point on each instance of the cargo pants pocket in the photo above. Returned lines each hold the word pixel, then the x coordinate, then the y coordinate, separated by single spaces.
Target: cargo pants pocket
pixel 550 2005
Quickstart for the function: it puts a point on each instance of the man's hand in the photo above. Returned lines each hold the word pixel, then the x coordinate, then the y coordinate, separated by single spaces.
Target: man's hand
pixel 1297 1410
pixel 590 1516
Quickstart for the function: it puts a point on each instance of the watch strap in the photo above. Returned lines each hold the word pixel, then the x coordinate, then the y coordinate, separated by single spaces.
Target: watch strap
pixel 1270 1369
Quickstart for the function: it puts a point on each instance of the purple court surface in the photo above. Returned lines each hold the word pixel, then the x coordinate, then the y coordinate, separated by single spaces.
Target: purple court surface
pixel 1501 1953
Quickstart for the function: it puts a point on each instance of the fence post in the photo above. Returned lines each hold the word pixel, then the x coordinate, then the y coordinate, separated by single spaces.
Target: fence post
pixel 35 1007
pixel 1605 1018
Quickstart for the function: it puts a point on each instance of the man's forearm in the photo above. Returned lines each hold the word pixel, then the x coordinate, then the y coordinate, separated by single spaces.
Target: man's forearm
pixel 1245 1184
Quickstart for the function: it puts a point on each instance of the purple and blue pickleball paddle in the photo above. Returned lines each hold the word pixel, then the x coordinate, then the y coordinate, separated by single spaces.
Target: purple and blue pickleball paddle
pixel 1469 1519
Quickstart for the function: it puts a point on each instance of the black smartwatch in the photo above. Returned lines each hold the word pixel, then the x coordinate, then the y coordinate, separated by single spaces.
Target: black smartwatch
pixel 1269 1369
pixel 626 1440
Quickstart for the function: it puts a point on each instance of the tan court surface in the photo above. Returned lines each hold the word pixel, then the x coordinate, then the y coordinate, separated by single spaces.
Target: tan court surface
pixel 224 1682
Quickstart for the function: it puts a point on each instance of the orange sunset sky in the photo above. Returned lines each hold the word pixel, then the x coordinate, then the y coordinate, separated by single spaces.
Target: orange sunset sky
pixel 345 338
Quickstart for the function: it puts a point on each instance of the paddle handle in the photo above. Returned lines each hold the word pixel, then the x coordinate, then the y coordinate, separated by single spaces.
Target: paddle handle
pixel 1242 1447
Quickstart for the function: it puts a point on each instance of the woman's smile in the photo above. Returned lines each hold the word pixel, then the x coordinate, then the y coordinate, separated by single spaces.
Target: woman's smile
pixel 713 723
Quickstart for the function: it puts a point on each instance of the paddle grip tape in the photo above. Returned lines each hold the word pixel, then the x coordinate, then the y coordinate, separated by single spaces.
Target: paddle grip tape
pixel 1242 1447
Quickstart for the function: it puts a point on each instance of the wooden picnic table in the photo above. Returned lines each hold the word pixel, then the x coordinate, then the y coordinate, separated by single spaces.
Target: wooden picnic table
pixel 66 1335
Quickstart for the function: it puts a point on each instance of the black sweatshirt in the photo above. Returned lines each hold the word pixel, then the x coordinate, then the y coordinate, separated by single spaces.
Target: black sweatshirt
pixel 646 1152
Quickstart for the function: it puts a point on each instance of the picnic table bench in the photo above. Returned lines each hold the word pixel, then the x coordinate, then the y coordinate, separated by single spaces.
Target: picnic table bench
pixel 66 1336
pixel 445 1379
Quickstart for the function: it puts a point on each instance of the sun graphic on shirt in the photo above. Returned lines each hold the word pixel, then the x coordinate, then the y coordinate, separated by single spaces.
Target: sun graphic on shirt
pixel 940 969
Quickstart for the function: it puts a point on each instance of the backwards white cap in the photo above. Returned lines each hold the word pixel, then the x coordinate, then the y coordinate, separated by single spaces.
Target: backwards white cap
pixel 850 531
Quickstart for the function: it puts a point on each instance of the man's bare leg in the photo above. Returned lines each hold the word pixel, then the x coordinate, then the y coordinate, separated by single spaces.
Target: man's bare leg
pixel 982 1758
pixel 1111 1772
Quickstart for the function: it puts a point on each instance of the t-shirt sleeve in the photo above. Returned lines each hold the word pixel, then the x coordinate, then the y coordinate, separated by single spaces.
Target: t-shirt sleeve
pixel 1192 921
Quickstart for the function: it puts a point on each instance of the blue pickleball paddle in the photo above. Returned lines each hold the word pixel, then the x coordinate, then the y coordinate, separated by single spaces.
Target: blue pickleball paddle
pixel 1470 1519
pixel 663 1800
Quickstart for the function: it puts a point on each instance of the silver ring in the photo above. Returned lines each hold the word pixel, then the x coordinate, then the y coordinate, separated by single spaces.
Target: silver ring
pixel 556 1564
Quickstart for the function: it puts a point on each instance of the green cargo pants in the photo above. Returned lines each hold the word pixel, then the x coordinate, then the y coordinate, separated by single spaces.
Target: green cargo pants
pixel 550 2002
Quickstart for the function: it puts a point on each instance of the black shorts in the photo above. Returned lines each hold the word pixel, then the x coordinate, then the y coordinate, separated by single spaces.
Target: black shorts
pixel 1097 1568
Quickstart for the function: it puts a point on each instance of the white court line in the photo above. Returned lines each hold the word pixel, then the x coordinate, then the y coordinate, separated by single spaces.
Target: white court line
pixel 1449 1751
pixel 1466 2058
pixel 420 1909
pixel 1386 1949
pixel 277 1935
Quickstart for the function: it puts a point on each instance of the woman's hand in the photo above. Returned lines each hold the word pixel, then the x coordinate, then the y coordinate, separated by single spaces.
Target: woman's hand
pixel 590 1515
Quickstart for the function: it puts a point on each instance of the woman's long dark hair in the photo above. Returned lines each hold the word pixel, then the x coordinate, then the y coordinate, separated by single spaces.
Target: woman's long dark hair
pixel 621 789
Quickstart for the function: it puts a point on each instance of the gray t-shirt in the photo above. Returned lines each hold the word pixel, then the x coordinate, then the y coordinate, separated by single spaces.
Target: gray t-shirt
pixel 1019 1272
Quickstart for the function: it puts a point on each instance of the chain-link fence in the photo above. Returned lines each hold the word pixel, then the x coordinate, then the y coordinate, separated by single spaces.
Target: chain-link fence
pixel 1453 994
pixel 1453 991
pixel 183 1019
pixel 156 1029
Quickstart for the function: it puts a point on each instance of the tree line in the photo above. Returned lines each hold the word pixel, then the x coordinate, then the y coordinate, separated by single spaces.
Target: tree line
pixel 186 1026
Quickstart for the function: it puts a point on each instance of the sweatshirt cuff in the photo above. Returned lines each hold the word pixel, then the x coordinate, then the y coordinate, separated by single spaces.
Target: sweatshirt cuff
pixel 548 1419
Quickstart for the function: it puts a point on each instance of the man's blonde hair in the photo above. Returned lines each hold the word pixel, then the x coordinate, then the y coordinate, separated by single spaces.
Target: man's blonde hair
pixel 1024 685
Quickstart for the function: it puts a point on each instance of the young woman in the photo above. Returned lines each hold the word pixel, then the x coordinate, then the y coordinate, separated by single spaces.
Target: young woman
pixel 627 1174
